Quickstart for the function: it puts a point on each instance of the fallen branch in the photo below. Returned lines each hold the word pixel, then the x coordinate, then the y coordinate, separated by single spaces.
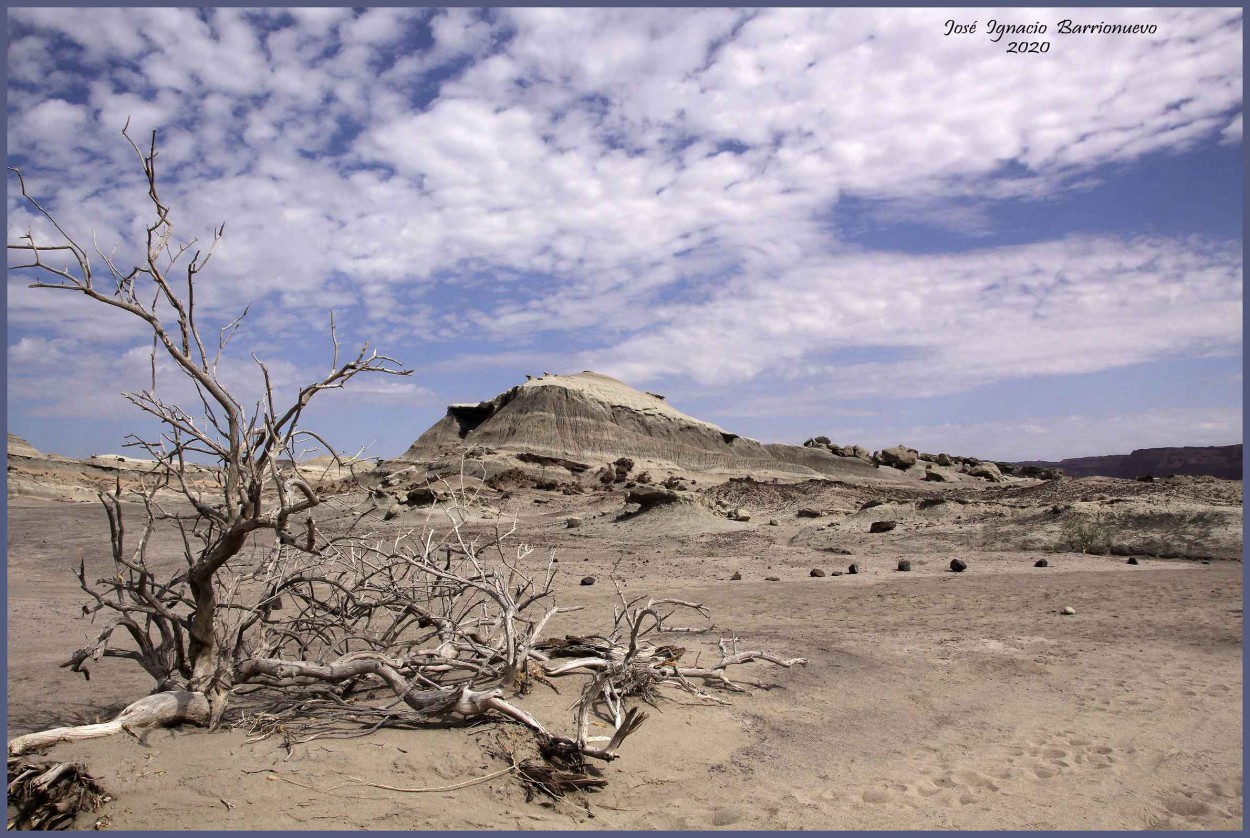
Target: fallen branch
pixel 160 710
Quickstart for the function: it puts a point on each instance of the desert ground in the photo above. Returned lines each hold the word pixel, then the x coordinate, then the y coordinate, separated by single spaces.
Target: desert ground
pixel 931 699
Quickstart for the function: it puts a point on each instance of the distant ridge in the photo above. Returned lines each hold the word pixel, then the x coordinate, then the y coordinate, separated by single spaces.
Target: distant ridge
pixel 1213 461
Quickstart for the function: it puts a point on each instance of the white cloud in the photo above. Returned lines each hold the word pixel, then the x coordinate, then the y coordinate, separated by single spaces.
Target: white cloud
pixel 653 183
pixel 962 320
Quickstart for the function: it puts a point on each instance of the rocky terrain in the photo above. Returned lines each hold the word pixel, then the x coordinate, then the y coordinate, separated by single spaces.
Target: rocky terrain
pixel 988 648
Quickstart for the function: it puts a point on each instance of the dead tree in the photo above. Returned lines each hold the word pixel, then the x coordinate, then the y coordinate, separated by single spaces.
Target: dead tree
pixel 288 606
pixel 253 491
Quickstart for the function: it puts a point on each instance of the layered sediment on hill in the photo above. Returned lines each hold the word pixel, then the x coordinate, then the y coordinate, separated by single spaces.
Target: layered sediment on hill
pixel 592 418
pixel 15 446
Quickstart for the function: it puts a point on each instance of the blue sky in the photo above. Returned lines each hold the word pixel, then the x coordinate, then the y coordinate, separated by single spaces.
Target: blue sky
pixel 791 222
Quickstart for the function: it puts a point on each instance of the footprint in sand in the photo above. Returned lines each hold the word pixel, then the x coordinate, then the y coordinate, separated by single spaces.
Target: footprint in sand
pixel 1069 751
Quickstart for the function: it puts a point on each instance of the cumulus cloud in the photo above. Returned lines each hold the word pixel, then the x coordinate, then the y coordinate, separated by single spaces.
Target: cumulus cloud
pixel 1078 305
pixel 646 189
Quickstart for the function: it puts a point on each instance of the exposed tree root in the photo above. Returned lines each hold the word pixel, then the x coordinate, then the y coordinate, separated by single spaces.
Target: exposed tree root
pixel 50 795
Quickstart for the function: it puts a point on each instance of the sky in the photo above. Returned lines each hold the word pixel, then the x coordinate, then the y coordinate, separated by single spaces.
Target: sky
pixel 791 222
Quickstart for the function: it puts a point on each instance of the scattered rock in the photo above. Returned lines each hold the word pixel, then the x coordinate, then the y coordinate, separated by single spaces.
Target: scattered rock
pixel 853 569
pixel 900 456
pixel 808 513
pixel 425 496
pixel 945 460
pixel 1132 560
pixel 816 572
pixel 622 467
pixel 904 564
pixel 989 471
pixel 649 496
pixel 1041 563
pixel 1068 610
pixel 588 580
pixel 740 514
pixel 737 577
pixel 937 475
pixel 882 526
pixel 869 504
pixel 958 565
pixel 392 511
pixel 773 522
pixel 573 523
pixel 835 573
pixel 772 578
pixel 858 452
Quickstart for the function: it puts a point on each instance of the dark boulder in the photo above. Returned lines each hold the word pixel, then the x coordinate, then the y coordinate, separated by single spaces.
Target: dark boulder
pixel 588 580
pixel 904 564
pixel 425 496
pixel 958 565
pixel 882 526
pixel 816 572
pixel 853 569
pixel 900 456
pixel 1041 563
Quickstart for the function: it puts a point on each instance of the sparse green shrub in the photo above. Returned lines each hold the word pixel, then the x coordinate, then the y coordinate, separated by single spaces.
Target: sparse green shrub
pixel 1091 534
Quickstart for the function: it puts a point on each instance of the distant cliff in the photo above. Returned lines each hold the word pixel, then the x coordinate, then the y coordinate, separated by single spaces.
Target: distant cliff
pixel 1215 461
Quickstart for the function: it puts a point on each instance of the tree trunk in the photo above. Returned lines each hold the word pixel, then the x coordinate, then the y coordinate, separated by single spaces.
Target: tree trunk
pixel 159 710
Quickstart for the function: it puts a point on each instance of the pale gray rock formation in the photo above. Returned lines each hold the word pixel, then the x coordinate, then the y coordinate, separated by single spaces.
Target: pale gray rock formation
pixel 821 460
pixel 987 470
pixel 588 416
pixel 572 420
pixel 18 447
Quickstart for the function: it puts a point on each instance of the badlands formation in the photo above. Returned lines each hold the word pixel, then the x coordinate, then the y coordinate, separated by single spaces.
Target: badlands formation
pixel 1062 652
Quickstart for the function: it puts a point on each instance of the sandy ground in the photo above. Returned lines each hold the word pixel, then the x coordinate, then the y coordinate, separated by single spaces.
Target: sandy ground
pixel 932 700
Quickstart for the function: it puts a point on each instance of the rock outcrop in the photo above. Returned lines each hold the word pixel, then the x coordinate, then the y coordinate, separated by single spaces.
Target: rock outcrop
pixel 574 420
pixel 18 447
pixel 587 416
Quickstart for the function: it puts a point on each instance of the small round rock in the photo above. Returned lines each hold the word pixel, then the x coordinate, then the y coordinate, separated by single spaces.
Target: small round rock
pixel 958 565
pixel 854 568
pixel 1068 610
pixel 904 564
pixel 1132 560
pixel 1041 563
pixel 588 580
pixel 815 572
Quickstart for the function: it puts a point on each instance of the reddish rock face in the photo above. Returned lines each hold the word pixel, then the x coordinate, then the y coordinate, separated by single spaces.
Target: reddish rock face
pixel 1222 461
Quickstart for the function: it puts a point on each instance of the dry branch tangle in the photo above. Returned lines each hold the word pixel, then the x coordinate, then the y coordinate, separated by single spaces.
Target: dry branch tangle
pixel 277 606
